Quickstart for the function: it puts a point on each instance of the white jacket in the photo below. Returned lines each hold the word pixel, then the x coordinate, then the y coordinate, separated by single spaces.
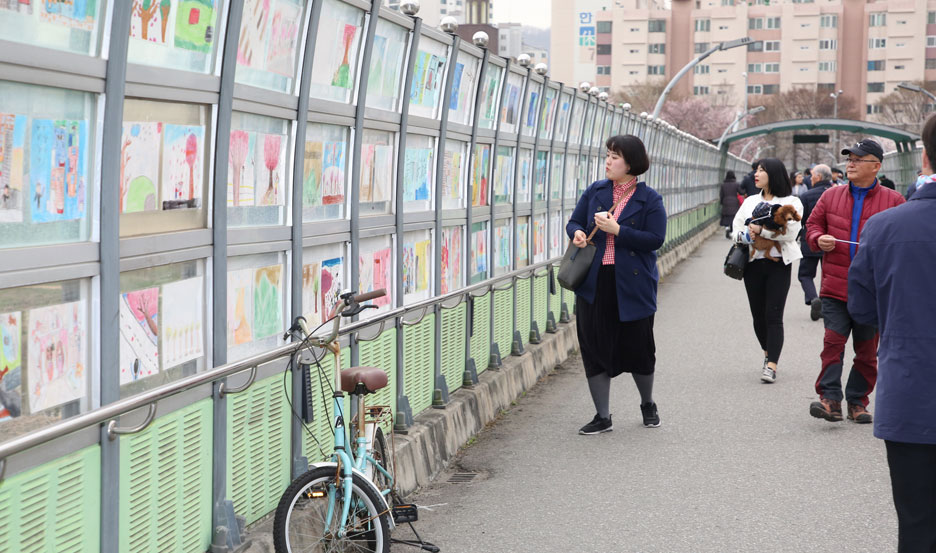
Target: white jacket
pixel 789 247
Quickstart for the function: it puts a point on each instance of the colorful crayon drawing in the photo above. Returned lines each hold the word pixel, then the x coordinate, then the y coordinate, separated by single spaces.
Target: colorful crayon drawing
pixel 452 167
pixel 10 364
pixel 182 321
pixel 502 246
pixel 312 293
pixel 503 174
pixel 523 241
pixel 489 96
pixel 271 164
pixel 555 180
pixel 20 6
pixel 417 174
pixel 150 20
pixel 73 14
pixel 240 307
pixel 531 110
pixel 57 170
pixel 284 35
pixel 479 250
pixel 451 258
pixel 546 117
pixel 526 161
pixel 331 283
pixel 12 152
pixel 456 86
pixel 333 173
pixel 427 80
pixel 242 168
pixel 555 232
pixel 194 28
pixel 57 355
pixel 511 105
pixel 376 272
pixel 139 334
pixel 139 167
pixel 312 174
pixel 539 238
pixel 480 171
pixel 385 67
pixel 376 172
pixel 253 33
pixel 540 175
pixel 268 301
pixel 183 160
pixel 343 77
pixel 416 266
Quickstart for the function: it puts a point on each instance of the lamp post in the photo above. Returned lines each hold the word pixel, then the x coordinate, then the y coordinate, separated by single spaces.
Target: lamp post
pixel 835 96
pixel 916 88
pixel 741 115
pixel 744 41
pixel 761 149
pixel 745 75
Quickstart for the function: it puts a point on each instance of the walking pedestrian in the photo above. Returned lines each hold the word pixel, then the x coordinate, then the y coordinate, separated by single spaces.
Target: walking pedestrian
pixel 833 227
pixel 615 305
pixel 728 197
pixel 767 282
pixel 889 286
pixel 799 186
pixel 838 177
pixel 748 188
pixel 822 181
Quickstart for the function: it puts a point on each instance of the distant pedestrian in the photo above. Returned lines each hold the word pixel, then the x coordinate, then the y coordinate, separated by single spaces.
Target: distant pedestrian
pixel 748 188
pixel 890 286
pixel 838 176
pixel 799 185
pixel 922 179
pixel 822 181
pixel 616 303
pixel 767 282
pixel 833 227
pixel 728 196
pixel 886 182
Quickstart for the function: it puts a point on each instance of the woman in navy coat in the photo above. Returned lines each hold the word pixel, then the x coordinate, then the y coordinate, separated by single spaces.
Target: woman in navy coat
pixel 615 304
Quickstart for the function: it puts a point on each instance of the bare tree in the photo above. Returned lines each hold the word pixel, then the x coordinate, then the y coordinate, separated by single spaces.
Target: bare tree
pixel 643 97
pixel 904 109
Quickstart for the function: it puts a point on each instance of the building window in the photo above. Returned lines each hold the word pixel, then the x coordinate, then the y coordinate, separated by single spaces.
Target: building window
pixel 755 23
pixel 635 29
pixel 701 69
pixel 875 87
pixel 633 72
pixel 771 68
pixel 773 22
pixel 701 47
pixel 604 26
pixel 659 48
pixel 771 88
pixel 828 44
pixel 604 69
pixel 900 67
pixel 875 65
pixel 657 26
pixel 828 66
pixel 700 91
pixel 931 18
pixel 656 70
pixel 754 68
pixel 874 43
pixel 703 25
pixel 930 63
pixel 634 51
pixel 727 2
pixel 754 89
pixel 825 87
pixel 829 21
pixel 931 41
pixel 604 49
pixel 756 46
pixel 723 27
pixel 772 46
pixel 878 19
pixel 873 109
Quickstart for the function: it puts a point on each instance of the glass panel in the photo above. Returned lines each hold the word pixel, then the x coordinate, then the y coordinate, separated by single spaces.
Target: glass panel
pixel 510 112
pixel 324 277
pixel 523 241
pixel 539 237
pixel 419 173
pixel 578 113
pixel 548 116
pixel 335 65
pixel 453 177
pixel 376 266
pixel 503 175
pixel 571 168
pixel 564 113
pixel 428 75
pixel 607 131
pixel 597 128
pixel 489 93
pixel 555 180
pixel 526 173
pixel 417 266
pixel 480 174
pixel 461 104
pixel 532 108
pixel 72 26
pixel 268 47
pixel 478 245
pixel 162 325
pixel 325 172
pixel 540 175
pixel 453 247
pixel 47 171
pixel 581 177
pixel 47 328
pixel 258 188
pixel 179 34
pixel 503 242
pixel 256 304
pixel 387 65
pixel 555 234
pixel 377 171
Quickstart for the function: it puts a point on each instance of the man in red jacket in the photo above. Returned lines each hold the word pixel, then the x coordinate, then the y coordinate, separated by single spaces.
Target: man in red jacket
pixel 833 227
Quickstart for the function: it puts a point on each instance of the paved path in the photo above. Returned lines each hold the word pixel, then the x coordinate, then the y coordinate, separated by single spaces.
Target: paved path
pixel 737 466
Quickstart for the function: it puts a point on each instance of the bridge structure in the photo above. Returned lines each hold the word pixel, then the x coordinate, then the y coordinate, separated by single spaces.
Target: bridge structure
pixel 182 179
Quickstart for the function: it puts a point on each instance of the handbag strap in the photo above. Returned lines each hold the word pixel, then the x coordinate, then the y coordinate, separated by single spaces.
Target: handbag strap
pixel 621 199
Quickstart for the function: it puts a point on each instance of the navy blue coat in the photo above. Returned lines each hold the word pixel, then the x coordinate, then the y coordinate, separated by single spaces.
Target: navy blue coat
pixel 810 198
pixel 890 285
pixel 643 230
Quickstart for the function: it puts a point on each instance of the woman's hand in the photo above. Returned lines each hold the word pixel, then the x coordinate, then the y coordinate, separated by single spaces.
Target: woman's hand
pixel 605 222
pixel 579 239
pixel 754 229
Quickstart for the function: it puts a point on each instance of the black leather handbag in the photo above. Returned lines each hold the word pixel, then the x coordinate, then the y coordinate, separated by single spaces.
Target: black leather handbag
pixel 736 260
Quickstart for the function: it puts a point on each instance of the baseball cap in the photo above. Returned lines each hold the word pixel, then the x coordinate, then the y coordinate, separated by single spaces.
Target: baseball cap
pixel 865 147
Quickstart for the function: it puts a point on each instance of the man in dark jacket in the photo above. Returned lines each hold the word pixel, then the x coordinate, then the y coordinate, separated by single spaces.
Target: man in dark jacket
pixel 890 285
pixel 822 179
pixel 833 227
pixel 748 186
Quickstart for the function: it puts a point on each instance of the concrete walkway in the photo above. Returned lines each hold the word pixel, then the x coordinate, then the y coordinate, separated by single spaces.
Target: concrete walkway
pixel 737 466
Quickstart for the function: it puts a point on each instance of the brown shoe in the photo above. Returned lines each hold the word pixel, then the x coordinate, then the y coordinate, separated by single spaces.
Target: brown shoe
pixel 828 410
pixel 858 413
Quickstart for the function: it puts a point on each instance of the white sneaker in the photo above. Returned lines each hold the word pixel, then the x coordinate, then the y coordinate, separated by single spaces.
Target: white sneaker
pixel 768 375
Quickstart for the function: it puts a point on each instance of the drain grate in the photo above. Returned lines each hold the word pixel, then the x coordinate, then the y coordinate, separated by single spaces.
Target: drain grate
pixel 462 477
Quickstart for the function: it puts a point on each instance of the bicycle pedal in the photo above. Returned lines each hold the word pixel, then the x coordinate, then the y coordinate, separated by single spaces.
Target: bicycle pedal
pixel 405 512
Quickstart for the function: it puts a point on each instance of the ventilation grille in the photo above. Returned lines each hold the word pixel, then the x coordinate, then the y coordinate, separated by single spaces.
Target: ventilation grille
pixel 481 332
pixel 419 363
pixel 453 345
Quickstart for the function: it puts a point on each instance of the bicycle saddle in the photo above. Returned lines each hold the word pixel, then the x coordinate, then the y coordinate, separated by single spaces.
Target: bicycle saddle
pixel 373 379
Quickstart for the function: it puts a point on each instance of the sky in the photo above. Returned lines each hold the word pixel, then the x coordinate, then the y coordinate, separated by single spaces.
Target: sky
pixel 528 12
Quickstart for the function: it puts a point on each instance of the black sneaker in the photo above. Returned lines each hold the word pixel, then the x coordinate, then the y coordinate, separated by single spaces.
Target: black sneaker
pixel 651 416
pixel 815 309
pixel 597 426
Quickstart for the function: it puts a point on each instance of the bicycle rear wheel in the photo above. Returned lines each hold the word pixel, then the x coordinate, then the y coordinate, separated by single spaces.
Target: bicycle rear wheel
pixel 300 521
pixel 384 458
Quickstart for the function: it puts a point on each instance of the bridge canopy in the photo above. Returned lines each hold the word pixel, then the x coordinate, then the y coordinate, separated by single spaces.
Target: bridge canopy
pixel 862 127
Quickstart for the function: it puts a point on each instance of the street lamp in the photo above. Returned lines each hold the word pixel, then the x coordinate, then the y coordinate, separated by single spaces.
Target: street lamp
pixel 744 41
pixel 741 115
pixel 761 149
pixel 745 75
pixel 917 88
pixel 835 96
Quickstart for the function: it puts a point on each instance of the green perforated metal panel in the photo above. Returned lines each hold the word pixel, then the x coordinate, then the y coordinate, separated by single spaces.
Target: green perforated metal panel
pixel 540 290
pixel 453 345
pixel 419 363
pixel 165 483
pixel 524 309
pixel 381 352
pixel 481 332
pixel 258 447
pixel 55 507
pixel 503 320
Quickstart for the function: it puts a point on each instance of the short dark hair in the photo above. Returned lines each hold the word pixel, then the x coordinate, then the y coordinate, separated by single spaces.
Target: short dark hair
pixel 778 179
pixel 632 150
pixel 754 164
pixel 837 170
pixel 730 176
pixel 929 140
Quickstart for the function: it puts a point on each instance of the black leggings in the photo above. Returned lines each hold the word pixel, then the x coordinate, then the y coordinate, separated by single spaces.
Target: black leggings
pixel 767 283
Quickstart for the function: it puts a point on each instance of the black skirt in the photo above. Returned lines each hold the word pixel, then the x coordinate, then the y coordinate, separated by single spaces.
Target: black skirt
pixel 608 345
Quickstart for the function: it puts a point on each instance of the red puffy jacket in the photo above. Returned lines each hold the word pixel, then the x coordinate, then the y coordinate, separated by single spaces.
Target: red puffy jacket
pixel 833 215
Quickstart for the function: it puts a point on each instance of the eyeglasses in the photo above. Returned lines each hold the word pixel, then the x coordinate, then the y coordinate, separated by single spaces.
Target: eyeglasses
pixel 855 160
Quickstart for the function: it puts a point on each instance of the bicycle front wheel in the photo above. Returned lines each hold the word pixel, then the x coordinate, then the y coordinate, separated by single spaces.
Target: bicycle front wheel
pixel 303 523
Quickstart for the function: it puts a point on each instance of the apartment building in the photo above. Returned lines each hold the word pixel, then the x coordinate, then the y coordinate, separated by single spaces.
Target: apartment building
pixel 864 48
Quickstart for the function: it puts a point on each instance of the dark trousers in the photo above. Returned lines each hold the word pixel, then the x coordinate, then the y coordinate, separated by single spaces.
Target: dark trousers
pixel 838 324
pixel 767 284
pixel 913 481
pixel 807 276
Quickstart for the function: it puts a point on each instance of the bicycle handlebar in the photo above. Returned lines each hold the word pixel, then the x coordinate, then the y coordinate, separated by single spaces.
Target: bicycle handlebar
pixel 367 296
pixel 336 315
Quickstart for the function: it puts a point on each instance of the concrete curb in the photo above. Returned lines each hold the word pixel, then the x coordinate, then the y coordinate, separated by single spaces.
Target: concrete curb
pixel 668 262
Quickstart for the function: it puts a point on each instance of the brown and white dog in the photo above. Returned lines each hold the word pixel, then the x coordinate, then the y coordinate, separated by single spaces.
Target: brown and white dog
pixel 783 215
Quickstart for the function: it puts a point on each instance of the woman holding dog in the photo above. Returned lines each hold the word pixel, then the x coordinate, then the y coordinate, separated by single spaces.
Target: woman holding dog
pixel 616 302
pixel 767 275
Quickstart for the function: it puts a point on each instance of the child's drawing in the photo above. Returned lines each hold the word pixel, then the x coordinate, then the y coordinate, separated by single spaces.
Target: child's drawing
pixel 240 307
pixel 242 169
pixel 150 20
pixel 194 28
pixel 417 174
pixel 271 169
pixel 10 365
pixel 253 33
pixel 182 321
pixel 284 36
pixel 139 334
pixel 139 166
pixel 57 355
pixel 452 245
pixel 12 157
pixel 268 301
pixel 57 170
pixel 183 160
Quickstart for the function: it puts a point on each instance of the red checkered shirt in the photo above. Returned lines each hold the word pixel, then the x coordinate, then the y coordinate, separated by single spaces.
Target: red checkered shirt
pixel 608 258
